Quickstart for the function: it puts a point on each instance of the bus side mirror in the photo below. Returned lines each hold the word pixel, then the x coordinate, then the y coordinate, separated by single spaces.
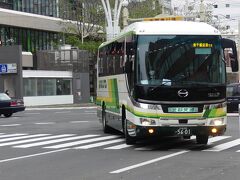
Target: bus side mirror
pixel 230 44
pixel 128 67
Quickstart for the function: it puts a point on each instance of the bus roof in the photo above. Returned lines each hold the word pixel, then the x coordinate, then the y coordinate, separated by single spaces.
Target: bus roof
pixel 167 28
pixel 171 28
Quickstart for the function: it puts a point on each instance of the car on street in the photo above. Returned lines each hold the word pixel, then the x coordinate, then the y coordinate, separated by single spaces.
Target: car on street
pixel 233 97
pixel 9 106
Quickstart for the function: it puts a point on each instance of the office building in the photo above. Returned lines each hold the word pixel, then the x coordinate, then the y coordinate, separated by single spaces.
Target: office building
pixel 35 25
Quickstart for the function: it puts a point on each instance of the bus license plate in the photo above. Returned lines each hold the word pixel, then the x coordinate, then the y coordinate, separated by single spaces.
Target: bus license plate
pixel 182 109
pixel 183 131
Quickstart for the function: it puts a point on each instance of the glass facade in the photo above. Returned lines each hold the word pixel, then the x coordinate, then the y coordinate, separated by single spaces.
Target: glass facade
pixel 30 39
pixel 47 86
pixel 43 7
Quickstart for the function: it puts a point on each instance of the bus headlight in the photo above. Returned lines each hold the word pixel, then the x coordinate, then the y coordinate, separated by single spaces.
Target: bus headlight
pixel 217 122
pixel 147 122
pixel 149 106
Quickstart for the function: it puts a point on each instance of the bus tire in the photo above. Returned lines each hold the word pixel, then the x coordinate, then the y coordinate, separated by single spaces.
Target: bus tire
pixel 128 139
pixel 202 139
pixel 106 128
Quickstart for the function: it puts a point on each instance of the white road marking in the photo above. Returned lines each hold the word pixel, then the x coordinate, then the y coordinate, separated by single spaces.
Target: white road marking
pixel 90 112
pixel 147 162
pixel 217 138
pixel 62 112
pixel 54 141
pixel 22 137
pixel 32 113
pixel 64 108
pixel 11 135
pixel 224 146
pixel 78 122
pixel 9 125
pixel 80 142
pixel 32 155
pixel 34 139
pixel 120 146
pixel 44 123
pixel 99 144
pixel 238 151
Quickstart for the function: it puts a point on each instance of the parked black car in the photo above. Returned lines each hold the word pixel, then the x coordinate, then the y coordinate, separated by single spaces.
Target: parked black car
pixel 9 106
pixel 233 97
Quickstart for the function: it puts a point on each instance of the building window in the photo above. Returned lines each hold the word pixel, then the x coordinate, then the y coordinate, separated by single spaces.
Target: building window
pixel 47 86
pixel 227 5
pixel 215 6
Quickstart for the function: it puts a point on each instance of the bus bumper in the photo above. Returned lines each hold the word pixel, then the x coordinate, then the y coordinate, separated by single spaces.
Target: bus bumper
pixel 143 131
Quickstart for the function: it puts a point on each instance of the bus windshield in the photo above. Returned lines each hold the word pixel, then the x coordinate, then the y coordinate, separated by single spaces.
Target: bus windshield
pixel 174 60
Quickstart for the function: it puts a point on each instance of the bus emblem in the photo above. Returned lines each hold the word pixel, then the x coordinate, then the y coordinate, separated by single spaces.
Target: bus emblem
pixel 182 93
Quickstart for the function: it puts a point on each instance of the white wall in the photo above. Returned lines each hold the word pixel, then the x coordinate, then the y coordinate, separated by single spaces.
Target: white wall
pixel 47 100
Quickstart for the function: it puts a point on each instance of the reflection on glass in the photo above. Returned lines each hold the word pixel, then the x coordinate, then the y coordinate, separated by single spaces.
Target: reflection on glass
pixel 180 59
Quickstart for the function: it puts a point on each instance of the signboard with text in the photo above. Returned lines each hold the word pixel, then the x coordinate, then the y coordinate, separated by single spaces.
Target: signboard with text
pixel 8 68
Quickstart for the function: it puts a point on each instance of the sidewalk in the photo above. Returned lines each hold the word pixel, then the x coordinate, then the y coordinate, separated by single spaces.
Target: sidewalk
pixel 63 106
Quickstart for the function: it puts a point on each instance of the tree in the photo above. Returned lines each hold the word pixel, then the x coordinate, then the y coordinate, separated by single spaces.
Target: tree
pixel 83 18
pixel 143 9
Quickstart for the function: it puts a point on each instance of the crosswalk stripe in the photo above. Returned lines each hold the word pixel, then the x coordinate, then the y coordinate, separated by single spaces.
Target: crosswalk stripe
pixel 35 139
pixel 238 151
pixel 99 144
pixel 224 146
pixel 54 141
pixel 22 137
pixel 120 146
pixel 11 135
pixel 80 142
pixel 217 138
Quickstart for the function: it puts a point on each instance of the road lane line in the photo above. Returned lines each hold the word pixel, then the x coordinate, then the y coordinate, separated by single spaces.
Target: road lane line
pixel 23 137
pixel 32 155
pixel 99 144
pixel 80 142
pixel 78 122
pixel 147 162
pixel 224 146
pixel 63 112
pixel 54 141
pixel 45 123
pixel 10 125
pixel 120 146
pixel 65 108
pixel 35 139
pixel 32 113
pixel 11 135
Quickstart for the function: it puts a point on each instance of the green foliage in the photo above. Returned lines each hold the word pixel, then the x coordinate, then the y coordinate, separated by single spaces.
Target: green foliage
pixel 88 44
pixel 144 9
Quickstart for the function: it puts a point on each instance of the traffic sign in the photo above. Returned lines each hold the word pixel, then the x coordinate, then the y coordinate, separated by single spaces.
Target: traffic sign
pixel 8 68
pixel 3 68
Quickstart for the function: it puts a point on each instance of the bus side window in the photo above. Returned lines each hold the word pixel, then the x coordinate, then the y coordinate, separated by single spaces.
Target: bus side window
pixel 119 58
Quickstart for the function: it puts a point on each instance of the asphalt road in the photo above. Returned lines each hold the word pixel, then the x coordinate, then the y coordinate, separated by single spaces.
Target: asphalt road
pixel 68 144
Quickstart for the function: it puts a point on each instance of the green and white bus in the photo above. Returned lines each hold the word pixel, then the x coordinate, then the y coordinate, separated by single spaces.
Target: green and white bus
pixel 164 78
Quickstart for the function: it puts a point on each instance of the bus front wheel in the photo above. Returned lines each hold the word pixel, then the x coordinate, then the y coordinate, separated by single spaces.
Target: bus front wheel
pixel 202 139
pixel 106 128
pixel 129 140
